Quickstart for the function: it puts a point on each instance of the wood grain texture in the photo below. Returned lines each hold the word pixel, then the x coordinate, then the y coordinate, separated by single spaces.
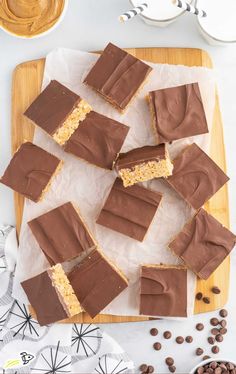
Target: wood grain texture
pixel 26 85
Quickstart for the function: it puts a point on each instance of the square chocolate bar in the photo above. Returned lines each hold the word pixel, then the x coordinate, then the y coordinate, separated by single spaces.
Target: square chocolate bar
pixel 163 291
pixel 143 164
pixel 96 282
pixel 129 210
pixel 62 234
pixel 177 112
pixel 203 244
pixel 30 171
pixel 51 296
pixel 117 76
pixel 196 177
pixel 58 111
pixel 98 140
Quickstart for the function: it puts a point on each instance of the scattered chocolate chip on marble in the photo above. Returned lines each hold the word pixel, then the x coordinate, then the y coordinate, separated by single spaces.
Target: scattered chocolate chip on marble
pixel 189 339
pixel 211 340
pixel 169 361
pixel 172 369
pixel 215 349
pixel 216 290
pixel 223 313
pixel 223 323
pixel 143 368
pixel 214 321
pixel 206 357
pixel 150 369
pixel 215 331
pixel 219 338
pixel 157 346
pixel 223 331
pixel 199 326
pixel 179 340
pixel 154 332
pixel 199 351
pixel 167 335
pixel 199 296
pixel 206 300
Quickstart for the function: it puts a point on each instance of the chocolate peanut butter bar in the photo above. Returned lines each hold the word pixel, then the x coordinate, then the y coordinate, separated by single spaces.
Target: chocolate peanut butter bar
pixel 98 140
pixel 62 234
pixel 143 164
pixel 96 282
pixel 129 210
pixel 58 111
pixel 30 171
pixel 203 244
pixel 177 112
pixel 117 76
pixel 163 291
pixel 51 295
pixel 196 177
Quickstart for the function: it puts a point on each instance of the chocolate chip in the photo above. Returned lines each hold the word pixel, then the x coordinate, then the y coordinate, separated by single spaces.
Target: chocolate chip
pixel 199 296
pixel 213 365
pixel 223 331
pixel 216 290
pixel 172 368
pixel 157 346
pixel 223 323
pixel 211 340
pixel 206 357
pixel 223 313
pixel 143 368
pixel 199 351
pixel 219 338
pixel 167 335
pixel 179 340
pixel 214 321
pixel 189 339
pixel 169 361
pixel 218 370
pixel 200 370
pixel 150 369
pixel 199 326
pixel 215 331
pixel 206 300
pixel 215 349
pixel 153 332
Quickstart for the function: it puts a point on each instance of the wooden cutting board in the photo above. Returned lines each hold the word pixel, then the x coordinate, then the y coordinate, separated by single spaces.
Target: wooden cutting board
pixel 26 85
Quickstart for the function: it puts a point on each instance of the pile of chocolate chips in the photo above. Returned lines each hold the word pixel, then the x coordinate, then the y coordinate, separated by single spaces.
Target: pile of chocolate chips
pixel 217 368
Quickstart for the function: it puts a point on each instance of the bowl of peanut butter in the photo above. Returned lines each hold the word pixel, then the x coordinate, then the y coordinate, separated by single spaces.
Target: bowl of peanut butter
pixel 31 18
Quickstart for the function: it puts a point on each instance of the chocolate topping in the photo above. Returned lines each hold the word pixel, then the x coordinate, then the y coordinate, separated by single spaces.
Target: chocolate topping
pixel 141 155
pixel 51 108
pixel 96 283
pixel 44 299
pixel 178 112
pixel 163 291
pixel 196 177
pixel 61 234
pixel 98 140
pixel 129 210
pixel 203 244
pixel 117 75
pixel 30 171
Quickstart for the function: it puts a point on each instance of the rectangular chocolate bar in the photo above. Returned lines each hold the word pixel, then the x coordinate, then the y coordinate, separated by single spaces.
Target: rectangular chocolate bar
pixel 51 295
pixel 196 177
pixel 96 282
pixel 163 291
pixel 143 164
pixel 62 234
pixel 129 210
pixel 30 171
pixel 203 244
pixel 177 112
pixel 58 111
pixel 117 76
pixel 98 140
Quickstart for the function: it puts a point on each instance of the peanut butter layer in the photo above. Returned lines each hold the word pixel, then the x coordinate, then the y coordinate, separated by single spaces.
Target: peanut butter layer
pixel 30 171
pixel 61 234
pixel 130 210
pixel 117 76
pixel 96 282
pixel 163 291
pixel 177 112
pixel 203 244
pixel 98 140
pixel 58 110
pixel 51 296
pixel 196 177
pixel 142 164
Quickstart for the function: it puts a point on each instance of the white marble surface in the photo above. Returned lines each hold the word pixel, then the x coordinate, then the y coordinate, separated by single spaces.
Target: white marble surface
pixel 89 25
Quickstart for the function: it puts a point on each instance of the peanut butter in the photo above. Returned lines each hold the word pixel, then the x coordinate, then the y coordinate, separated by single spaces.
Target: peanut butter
pixel 29 17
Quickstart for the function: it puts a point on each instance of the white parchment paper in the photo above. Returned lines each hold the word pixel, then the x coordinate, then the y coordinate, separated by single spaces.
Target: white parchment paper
pixel 89 186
